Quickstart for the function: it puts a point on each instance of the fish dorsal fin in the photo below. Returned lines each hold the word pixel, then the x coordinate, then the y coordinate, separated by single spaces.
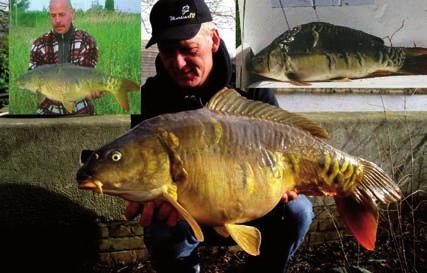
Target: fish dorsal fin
pixel 185 214
pixel 229 101
pixel 247 237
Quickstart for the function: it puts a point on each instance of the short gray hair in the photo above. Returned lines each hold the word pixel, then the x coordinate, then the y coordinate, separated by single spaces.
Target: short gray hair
pixel 207 28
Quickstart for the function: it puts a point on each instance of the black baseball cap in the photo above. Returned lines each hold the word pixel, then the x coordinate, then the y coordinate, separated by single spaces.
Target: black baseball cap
pixel 177 19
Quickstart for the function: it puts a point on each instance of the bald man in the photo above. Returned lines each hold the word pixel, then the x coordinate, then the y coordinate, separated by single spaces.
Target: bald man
pixel 64 44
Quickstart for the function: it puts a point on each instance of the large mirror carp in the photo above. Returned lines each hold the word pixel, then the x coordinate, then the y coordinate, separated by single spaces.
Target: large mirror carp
pixel 230 162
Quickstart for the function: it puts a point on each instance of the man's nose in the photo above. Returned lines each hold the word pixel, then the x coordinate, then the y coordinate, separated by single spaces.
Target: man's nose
pixel 180 60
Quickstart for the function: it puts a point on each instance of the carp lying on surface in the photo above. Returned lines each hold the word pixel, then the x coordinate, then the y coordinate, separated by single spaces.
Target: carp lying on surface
pixel 68 83
pixel 230 162
pixel 320 51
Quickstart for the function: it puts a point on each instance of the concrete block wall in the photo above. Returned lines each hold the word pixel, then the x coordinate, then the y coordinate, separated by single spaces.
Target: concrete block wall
pixel 43 214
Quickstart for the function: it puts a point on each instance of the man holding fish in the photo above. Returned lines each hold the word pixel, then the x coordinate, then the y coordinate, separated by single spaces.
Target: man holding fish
pixel 64 44
pixel 192 66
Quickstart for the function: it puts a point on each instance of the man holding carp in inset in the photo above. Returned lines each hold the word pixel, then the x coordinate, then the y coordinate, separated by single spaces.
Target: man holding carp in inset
pixel 192 66
pixel 64 44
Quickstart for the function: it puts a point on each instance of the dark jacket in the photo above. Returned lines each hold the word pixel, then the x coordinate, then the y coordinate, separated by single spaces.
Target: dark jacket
pixel 160 94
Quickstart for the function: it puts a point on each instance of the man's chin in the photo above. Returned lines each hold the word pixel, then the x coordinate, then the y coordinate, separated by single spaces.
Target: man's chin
pixel 189 83
pixel 60 30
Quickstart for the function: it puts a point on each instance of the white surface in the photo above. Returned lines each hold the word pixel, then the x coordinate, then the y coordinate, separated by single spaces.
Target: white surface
pixel 389 82
pixel 351 102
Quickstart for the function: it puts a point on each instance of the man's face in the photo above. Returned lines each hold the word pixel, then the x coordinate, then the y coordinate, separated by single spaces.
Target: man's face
pixel 61 16
pixel 189 62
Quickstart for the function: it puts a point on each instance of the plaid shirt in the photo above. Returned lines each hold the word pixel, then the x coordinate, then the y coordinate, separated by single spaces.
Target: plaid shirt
pixel 82 51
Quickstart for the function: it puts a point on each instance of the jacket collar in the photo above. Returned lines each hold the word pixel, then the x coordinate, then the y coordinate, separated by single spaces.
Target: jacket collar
pixel 66 36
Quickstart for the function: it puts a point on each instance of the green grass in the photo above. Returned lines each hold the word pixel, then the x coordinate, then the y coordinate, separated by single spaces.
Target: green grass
pixel 118 41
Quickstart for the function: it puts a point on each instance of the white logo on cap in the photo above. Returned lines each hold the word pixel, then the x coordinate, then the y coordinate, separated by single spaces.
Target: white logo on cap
pixel 185 9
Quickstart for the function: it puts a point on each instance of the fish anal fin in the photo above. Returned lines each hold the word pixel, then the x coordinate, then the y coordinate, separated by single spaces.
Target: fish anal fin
pixel 221 230
pixel 169 197
pixel 69 105
pixel 380 73
pixel 122 98
pixel 229 101
pixel 361 219
pixel 247 237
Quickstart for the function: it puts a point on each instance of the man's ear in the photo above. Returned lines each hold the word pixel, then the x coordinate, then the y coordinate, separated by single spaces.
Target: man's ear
pixel 216 40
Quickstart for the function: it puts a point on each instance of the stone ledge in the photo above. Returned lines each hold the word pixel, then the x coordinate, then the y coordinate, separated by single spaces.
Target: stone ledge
pixel 45 152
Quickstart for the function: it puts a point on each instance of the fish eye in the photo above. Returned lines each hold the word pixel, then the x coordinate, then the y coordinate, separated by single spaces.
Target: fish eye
pixel 116 156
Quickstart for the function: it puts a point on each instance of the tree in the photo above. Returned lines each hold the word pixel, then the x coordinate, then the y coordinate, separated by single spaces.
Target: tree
pixel 109 5
pixel 19 4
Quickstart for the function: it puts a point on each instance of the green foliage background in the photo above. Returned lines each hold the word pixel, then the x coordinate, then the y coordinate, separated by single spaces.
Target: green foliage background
pixel 118 40
pixel 109 5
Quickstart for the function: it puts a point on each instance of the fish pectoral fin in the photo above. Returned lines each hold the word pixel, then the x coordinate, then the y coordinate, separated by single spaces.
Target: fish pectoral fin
pixel 247 237
pixel 299 83
pixel 170 142
pixel 361 219
pixel 221 230
pixel 69 105
pixel 345 79
pixel 186 216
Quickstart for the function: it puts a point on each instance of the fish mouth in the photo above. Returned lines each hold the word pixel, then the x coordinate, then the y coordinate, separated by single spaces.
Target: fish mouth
pixel 92 184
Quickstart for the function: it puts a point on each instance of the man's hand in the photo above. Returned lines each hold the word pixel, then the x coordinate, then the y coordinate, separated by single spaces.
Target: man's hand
pixel 164 212
pixel 94 95
pixel 289 196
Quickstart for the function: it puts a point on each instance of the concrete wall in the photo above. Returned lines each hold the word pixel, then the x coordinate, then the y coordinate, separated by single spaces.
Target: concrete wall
pixel 43 214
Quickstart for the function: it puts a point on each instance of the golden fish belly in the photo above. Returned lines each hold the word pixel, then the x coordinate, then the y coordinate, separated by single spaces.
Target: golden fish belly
pixel 230 192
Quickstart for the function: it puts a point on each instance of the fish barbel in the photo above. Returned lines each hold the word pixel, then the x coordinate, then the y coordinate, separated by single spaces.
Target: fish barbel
pixel 320 51
pixel 230 162
pixel 68 83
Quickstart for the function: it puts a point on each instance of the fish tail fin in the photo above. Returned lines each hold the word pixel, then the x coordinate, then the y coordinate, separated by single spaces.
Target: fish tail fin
pixel 121 92
pixel 359 211
pixel 415 61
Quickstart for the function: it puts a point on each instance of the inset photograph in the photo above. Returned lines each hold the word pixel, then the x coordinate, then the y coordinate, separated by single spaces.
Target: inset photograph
pixel 4 54
pixel 75 57
pixel 333 44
